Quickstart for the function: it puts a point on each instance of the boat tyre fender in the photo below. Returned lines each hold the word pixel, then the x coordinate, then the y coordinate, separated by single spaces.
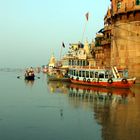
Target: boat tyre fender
pixel 84 79
pixel 124 81
pixel 110 81
pixel 88 80
pixel 72 78
pixel 77 78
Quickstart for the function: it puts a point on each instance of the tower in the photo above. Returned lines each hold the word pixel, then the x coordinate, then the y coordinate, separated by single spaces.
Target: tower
pixel 125 44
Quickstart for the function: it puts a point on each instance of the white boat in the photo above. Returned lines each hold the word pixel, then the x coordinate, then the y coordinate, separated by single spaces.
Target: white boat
pixel 99 77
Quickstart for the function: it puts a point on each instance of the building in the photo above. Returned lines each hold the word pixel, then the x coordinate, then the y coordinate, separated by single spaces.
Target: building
pixel 120 41
pixel 79 55
pixel 103 43
pixel 125 45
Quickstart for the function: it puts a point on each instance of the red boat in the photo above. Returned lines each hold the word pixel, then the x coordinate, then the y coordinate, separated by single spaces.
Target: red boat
pixel 100 77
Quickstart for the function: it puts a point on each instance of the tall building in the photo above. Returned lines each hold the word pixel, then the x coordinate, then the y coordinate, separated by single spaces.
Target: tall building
pixel 125 43
pixel 120 40
pixel 103 43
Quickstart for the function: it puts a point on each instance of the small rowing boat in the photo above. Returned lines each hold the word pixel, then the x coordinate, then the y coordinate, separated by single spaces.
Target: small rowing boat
pixel 29 74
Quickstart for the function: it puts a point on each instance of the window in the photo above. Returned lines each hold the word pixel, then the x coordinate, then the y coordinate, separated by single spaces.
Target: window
pixel 69 62
pixel 106 74
pixel 137 2
pixel 70 72
pixel 101 75
pixel 72 62
pixel 87 74
pixel 83 73
pixel 119 4
pixel 96 74
pixel 79 73
pixel 84 63
pixel 91 74
pixel 74 72
pixel 78 62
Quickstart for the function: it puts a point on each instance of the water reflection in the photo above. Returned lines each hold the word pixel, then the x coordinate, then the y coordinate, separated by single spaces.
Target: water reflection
pixel 115 110
pixel 29 83
pixel 100 95
pixel 58 87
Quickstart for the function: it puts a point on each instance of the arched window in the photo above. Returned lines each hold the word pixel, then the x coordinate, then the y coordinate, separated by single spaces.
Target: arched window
pixel 119 3
pixel 137 2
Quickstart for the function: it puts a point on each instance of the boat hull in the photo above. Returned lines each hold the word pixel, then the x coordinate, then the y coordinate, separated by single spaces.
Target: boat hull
pixel 96 89
pixel 115 84
pixel 29 77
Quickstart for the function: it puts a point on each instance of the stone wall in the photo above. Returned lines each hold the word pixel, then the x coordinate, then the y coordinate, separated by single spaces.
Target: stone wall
pixel 125 45
pixel 125 50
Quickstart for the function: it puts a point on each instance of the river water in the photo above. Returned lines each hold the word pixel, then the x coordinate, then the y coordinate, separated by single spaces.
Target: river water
pixel 45 110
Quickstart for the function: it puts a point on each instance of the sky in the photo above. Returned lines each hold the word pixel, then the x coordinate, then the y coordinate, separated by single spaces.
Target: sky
pixel 32 30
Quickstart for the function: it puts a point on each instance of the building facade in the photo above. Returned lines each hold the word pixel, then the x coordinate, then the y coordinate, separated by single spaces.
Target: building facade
pixel 125 44
pixel 120 41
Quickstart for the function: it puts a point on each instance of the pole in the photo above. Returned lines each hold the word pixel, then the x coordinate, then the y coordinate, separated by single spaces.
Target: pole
pixel 84 31
pixel 87 17
pixel 60 52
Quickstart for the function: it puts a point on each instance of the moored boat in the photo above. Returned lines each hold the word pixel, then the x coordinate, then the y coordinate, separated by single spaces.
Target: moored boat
pixel 100 77
pixel 58 75
pixel 44 69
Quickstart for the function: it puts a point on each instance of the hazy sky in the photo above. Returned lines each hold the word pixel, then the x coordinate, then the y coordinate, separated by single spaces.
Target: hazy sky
pixel 30 30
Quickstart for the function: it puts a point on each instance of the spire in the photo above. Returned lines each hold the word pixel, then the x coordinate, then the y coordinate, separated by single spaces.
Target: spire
pixel 52 60
pixel 86 47
pixel 92 44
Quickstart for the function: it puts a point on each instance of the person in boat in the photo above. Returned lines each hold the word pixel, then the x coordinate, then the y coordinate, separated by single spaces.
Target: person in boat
pixel 29 72
pixel 26 73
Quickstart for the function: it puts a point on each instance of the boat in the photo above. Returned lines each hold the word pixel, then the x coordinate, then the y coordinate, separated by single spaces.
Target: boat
pixel 29 74
pixel 57 71
pixel 100 77
pixel 57 74
pixel 44 69
pixel 58 78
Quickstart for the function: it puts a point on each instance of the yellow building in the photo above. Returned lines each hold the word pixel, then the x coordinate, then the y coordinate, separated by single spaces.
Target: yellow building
pixel 79 55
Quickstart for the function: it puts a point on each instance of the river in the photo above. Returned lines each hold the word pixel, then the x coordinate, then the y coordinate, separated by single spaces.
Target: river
pixel 47 110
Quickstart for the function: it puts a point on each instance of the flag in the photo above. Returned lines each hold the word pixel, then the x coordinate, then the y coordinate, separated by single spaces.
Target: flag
pixel 87 15
pixel 63 44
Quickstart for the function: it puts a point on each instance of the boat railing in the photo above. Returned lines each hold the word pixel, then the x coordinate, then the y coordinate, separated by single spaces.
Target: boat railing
pixel 88 67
